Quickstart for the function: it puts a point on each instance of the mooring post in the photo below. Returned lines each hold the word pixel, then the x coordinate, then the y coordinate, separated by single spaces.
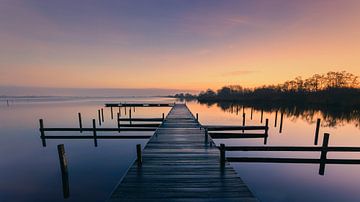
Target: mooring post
pixel 99 116
pixel 222 154
pixel 130 115
pixel 102 114
pixel 62 158
pixel 324 150
pixel 251 113
pixel 206 136
pixel 139 156
pixel 112 113
pixel 276 115
pixel 262 115
pixel 317 131
pixel 42 133
pixel 80 122
pixel 118 121
pixel 94 132
pixel 243 122
pixel 281 121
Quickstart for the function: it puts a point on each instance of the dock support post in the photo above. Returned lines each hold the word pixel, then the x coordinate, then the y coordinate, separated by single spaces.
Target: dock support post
pixel 118 121
pixel 281 121
pixel 206 136
pixel 276 115
pixel 251 113
pixel 130 116
pixel 197 117
pixel 222 154
pixel 262 115
pixel 266 130
pixel 243 122
pixel 112 113
pixel 317 132
pixel 42 133
pixel 102 114
pixel 94 132
pixel 324 150
pixel 138 153
pixel 80 122
pixel 64 170
pixel 120 110
pixel 99 117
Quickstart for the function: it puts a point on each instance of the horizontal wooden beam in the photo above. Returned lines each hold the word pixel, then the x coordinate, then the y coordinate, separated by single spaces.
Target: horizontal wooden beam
pixel 292 160
pixel 223 128
pixel 100 129
pixel 142 119
pixel 236 135
pixel 283 148
pixel 140 125
pixel 139 104
pixel 97 137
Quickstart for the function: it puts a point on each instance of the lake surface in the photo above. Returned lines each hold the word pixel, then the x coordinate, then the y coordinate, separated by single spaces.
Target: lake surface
pixel 31 172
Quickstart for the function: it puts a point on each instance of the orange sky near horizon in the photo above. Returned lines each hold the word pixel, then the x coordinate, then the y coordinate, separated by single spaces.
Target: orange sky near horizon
pixel 179 45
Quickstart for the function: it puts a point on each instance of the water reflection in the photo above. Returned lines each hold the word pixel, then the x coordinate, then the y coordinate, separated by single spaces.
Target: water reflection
pixel 331 116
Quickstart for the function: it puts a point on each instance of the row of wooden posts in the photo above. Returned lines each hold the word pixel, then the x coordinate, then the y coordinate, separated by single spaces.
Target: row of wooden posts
pixel 324 149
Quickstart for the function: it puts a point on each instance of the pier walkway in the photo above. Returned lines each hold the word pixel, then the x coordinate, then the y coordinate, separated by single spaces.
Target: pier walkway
pixel 178 165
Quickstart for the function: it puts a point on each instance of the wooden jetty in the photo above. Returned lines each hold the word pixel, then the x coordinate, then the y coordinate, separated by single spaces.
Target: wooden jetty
pixel 180 163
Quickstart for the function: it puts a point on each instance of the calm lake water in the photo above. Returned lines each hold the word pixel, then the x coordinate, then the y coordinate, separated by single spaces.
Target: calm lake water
pixel 30 172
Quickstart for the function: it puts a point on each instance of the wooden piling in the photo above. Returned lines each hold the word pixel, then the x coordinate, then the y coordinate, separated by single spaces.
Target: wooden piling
pixel 243 121
pixel 125 109
pixel 119 110
pixel 251 113
pixel 163 116
pixel 102 115
pixel 80 122
pixel 42 133
pixel 111 113
pixel 206 136
pixel 317 131
pixel 276 115
pixel 323 155
pixel 130 116
pixel 222 154
pixel 262 115
pixel 139 156
pixel 197 117
pixel 99 117
pixel 62 158
pixel 118 121
pixel 94 132
pixel 281 122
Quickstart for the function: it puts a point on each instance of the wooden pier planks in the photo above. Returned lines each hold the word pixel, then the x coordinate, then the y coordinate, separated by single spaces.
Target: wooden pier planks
pixel 179 166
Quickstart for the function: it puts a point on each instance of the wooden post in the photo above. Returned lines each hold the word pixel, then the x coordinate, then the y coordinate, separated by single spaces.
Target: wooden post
pixel 134 108
pixel 125 109
pixel 237 109
pixel 94 132
pixel 281 121
pixel 62 158
pixel 130 115
pixel 266 126
pixel 99 116
pixel 243 122
pixel 222 154
pixel 276 115
pixel 206 136
pixel 262 115
pixel 317 131
pixel 102 114
pixel 112 113
pixel 42 133
pixel 197 117
pixel 120 110
pixel 80 122
pixel 163 116
pixel 118 121
pixel 324 150
pixel 139 157
pixel 251 113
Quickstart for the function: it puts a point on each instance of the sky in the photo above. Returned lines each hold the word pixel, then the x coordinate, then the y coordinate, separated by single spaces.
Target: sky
pixel 177 44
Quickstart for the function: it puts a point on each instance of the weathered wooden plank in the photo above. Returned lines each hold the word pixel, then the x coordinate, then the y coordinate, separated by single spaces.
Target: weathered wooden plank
pixel 178 165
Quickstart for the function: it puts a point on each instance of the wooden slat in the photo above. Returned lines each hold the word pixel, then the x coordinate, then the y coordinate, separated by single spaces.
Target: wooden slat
pixel 178 165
